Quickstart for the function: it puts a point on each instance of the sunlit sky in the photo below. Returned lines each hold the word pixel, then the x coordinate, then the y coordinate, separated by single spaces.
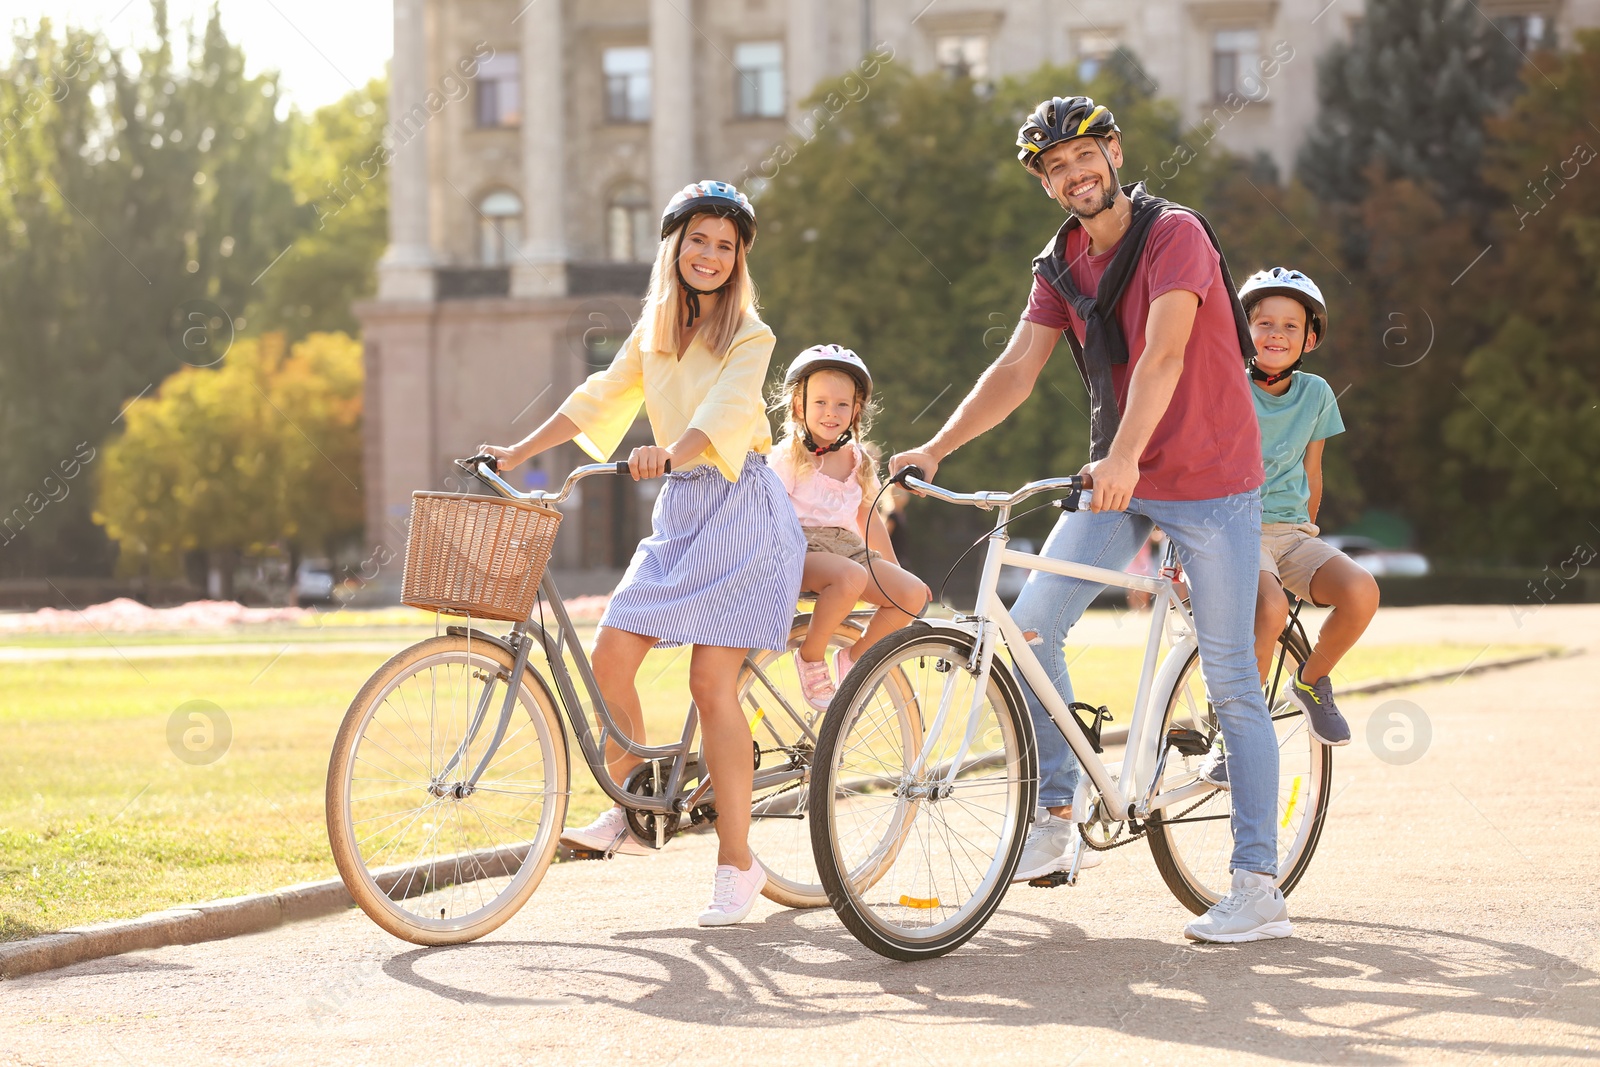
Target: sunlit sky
pixel 322 48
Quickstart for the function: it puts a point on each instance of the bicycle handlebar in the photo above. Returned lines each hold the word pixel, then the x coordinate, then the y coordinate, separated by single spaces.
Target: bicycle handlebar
pixel 487 468
pixel 911 478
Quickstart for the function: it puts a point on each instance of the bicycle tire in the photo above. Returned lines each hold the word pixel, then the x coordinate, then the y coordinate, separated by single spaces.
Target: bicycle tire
pixel 500 853
pixel 783 844
pixel 1195 879
pixel 872 877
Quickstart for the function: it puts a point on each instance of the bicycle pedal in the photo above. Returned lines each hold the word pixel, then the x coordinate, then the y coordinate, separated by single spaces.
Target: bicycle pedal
pixel 588 854
pixel 1188 742
pixel 1053 879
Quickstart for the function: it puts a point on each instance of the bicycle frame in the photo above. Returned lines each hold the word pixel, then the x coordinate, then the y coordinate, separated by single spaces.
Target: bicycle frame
pixel 672 760
pixel 1128 790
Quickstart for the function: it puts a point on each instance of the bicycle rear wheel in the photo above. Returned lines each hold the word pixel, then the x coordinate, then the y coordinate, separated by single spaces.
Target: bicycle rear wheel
pixel 1192 842
pixel 785 729
pixel 431 856
pixel 915 860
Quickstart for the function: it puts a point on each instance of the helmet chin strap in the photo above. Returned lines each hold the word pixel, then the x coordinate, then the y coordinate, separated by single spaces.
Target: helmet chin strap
pixel 691 296
pixel 822 450
pixel 1273 379
pixel 805 430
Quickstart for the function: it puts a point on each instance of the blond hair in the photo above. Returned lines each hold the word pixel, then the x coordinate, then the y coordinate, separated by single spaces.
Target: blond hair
pixel 662 320
pixel 791 450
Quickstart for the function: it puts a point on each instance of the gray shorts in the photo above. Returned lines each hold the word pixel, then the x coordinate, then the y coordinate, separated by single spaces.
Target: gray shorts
pixel 1292 552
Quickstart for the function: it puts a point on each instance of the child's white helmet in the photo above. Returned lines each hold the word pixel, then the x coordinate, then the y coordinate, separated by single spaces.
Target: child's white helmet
pixel 829 357
pixel 1282 281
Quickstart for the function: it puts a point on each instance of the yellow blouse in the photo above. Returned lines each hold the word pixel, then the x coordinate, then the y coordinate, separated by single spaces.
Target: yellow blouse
pixel 719 397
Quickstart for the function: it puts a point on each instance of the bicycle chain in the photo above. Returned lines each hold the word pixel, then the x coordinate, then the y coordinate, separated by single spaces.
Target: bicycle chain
pixel 1141 834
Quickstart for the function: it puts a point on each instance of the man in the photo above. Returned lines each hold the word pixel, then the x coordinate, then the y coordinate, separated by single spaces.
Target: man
pixel 1142 292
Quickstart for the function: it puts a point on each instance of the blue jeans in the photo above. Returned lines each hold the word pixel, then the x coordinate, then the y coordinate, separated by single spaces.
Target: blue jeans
pixel 1218 542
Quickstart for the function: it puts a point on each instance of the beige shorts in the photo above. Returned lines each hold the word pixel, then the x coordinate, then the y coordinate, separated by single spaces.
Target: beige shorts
pixel 837 541
pixel 1292 553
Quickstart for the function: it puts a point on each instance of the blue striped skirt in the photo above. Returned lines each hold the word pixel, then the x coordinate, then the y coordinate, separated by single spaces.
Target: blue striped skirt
pixel 721 565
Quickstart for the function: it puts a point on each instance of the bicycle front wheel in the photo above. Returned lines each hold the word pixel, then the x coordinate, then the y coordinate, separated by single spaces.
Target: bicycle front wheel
pixel 1192 842
pixel 439 839
pixel 916 836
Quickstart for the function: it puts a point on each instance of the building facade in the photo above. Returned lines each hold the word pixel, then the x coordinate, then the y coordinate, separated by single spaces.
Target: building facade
pixel 535 141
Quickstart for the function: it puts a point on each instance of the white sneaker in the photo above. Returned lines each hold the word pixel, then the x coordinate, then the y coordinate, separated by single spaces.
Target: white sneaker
pixel 1253 911
pixel 1051 846
pixel 608 833
pixel 733 894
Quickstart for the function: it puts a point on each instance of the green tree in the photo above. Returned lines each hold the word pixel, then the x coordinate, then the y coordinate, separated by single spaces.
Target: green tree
pixel 132 189
pixel 1408 95
pixel 260 452
pixel 336 172
pixel 1524 421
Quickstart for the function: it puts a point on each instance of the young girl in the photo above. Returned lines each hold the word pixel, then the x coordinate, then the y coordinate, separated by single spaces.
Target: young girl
pixel 721 567
pixel 831 475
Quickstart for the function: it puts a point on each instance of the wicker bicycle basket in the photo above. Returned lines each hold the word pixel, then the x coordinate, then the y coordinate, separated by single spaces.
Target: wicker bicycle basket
pixel 477 555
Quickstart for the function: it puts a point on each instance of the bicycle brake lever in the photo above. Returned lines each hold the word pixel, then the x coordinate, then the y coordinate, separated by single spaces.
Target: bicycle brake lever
pixel 1077 500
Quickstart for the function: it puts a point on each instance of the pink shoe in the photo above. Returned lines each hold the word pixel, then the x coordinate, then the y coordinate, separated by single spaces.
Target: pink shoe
pixel 842 662
pixel 733 894
pixel 814 681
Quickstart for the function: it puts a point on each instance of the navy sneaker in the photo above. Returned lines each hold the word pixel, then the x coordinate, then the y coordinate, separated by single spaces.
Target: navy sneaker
pixel 1322 714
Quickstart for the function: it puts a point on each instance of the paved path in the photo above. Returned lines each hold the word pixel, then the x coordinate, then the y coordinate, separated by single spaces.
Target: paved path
pixel 1450 916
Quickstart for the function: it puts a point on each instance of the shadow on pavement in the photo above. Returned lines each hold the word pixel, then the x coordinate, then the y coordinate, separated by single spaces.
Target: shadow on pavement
pixel 1346 991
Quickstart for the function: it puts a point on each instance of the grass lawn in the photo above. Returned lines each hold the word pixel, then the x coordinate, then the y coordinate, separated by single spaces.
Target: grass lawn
pixel 99 819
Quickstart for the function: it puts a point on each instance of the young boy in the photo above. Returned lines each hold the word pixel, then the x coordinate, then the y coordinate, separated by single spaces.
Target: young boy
pixel 1298 413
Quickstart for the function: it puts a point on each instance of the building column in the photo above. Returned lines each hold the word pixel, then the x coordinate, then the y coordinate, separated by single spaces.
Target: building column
pixel 672 157
pixel 406 270
pixel 802 59
pixel 541 268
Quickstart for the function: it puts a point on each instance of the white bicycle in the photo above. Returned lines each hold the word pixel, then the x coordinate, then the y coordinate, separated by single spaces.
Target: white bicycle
pixel 916 838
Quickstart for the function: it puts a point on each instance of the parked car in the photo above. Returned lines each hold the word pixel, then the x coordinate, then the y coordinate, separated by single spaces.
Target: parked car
pixel 1379 560
pixel 313 582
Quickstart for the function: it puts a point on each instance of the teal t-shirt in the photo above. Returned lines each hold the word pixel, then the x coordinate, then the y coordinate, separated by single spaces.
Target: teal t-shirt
pixel 1307 412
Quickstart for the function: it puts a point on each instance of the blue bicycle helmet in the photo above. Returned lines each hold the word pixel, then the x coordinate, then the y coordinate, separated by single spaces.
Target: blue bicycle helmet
pixel 711 198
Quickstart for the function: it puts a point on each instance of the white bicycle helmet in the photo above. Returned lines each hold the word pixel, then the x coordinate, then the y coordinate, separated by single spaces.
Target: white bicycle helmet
pixel 830 357
pixel 1282 281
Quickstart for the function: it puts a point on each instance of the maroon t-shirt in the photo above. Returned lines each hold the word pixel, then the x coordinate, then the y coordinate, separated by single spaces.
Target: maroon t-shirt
pixel 1207 445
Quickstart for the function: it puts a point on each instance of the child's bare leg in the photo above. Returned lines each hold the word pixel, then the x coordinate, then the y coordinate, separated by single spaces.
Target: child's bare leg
pixel 1272 612
pixel 887 587
pixel 616 660
pixel 725 743
pixel 1353 595
pixel 837 582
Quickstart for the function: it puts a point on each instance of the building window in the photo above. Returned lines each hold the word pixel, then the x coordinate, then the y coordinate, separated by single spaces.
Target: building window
pixel 963 55
pixel 1528 33
pixel 1093 50
pixel 500 91
pixel 758 84
pixel 627 72
pixel 631 234
pixel 499 228
pixel 1236 65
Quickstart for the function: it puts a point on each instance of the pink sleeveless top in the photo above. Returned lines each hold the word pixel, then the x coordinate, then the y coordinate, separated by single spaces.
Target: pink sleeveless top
pixel 820 500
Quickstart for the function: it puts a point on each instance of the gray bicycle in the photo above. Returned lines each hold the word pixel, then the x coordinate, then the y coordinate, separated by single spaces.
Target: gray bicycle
pixel 449 778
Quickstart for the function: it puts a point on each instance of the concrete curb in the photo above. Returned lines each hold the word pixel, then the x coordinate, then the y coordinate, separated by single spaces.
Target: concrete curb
pixel 210 921
pixel 233 916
